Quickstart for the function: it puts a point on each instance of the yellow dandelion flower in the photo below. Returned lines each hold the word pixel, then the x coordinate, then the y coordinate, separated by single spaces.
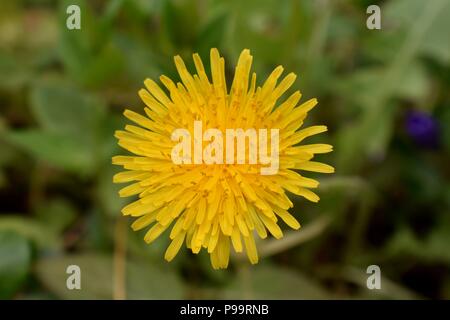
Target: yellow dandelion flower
pixel 222 191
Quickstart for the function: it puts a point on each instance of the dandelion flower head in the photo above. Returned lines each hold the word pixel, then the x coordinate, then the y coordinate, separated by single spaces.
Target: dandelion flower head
pixel 220 205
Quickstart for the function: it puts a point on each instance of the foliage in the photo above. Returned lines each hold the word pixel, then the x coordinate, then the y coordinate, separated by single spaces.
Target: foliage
pixel 61 97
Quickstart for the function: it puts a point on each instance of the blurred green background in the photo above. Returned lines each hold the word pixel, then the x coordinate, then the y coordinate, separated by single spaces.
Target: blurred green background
pixel 384 95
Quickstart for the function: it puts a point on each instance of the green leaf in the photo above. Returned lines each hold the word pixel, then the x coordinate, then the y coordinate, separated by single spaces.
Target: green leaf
pixel 414 84
pixel 212 34
pixel 273 282
pixel 141 60
pixel 144 281
pixel 261 26
pixel 63 109
pixel 389 289
pixel 105 67
pixel 74 45
pixel 36 232
pixel 372 135
pixel 436 44
pixel 142 7
pixel 180 20
pixel 404 13
pixel 432 249
pixel 73 125
pixel 15 257
pixel 436 247
pixel 366 137
pixel 56 214
pixel 88 55
pixel 60 150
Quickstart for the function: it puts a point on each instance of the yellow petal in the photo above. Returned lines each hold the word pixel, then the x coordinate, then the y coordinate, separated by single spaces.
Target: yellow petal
pixel 250 247
pixel 315 166
pixel 155 232
pixel 174 246
pixel 236 239
pixel 287 218
pixel 143 221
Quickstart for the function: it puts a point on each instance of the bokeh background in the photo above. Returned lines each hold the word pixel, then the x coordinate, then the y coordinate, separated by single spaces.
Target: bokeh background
pixel 384 95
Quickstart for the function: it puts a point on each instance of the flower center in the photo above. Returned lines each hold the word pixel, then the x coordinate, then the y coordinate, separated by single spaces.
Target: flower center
pixel 241 146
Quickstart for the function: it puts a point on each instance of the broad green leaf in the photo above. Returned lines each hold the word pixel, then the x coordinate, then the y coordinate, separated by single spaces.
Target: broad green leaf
pixel 141 60
pixel 60 108
pixel 89 55
pixel 436 44
pixel 414 84
pixel 143 7
pixel 56 214
pixel 60 150
pixel 403 14
pixel 15 257
pixel 366 137
pixel 74 126
pixel 180 20
pixel 143 281
pixel 273 282
pixel 261 25
pixel 105 67
pixel 33 230
pixel 212 34
pixel 436 246
pixel 372 135
pixel 74 45
pixel 389 289
pixel 433 248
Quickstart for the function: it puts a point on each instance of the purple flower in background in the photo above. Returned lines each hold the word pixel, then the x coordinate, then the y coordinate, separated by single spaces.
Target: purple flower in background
pixel 422 128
